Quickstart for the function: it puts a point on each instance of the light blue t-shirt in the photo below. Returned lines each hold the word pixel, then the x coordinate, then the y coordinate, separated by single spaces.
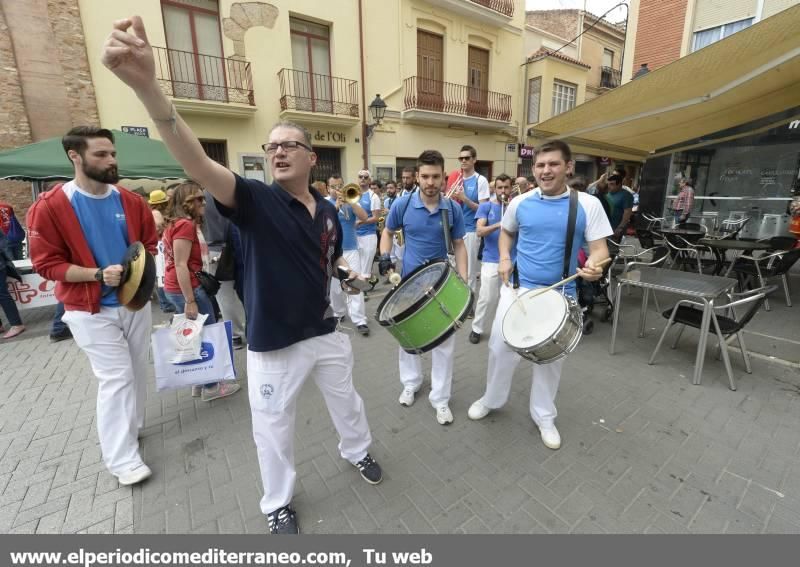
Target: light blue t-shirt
pixel 471 191
pixel 102 220
pixel 347 218
pixel 366 203
pixel 540 223
pixel 422 229
pixel 492 212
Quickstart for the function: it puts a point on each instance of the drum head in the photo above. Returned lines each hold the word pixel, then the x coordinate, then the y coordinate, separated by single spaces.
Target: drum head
pixel 532 320
pixel 403 299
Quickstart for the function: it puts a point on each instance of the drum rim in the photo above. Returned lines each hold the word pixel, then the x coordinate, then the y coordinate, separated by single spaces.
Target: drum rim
pixel 523 351
pixel 446 335
pixel 417 304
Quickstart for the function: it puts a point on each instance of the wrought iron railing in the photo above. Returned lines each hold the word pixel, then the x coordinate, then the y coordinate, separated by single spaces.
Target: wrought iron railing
pixel 439 96
pixel 610 78
pixel 505 7
pixel 184 74
pixel 311 92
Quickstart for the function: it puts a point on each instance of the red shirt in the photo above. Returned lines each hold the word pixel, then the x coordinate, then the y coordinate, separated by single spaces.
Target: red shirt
pixel 183 229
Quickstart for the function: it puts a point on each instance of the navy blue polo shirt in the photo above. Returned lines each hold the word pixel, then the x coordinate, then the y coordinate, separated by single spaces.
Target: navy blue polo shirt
pixel 422 229
pixel 288 259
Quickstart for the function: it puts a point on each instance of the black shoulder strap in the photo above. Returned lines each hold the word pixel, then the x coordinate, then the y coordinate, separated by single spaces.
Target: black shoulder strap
pixel 573 214
pixel 403 214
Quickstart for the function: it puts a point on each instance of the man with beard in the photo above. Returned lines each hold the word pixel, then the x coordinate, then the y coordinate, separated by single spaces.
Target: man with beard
pixel 79 232
pixel 292 246
pixel 409 181
pixel 388 202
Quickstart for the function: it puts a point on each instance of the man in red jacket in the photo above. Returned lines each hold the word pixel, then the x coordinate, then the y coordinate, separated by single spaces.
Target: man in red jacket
pixel 78 233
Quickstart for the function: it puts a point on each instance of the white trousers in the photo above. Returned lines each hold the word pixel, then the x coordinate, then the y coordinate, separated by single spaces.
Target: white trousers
pixel 116 341
pixel 367 245
pixel 232 309
pixel 275 379
pixel 397 254
pixel 472 243
pixel 341 302
pixel 503 361
pixel 488 295
pixel 441 371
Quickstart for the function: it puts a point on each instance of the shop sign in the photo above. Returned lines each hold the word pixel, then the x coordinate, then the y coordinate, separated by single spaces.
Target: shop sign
pixel 606 161
pixel 525 151
pixel 136 131
pixel 33 291
pixel 511 148
pixel 328 136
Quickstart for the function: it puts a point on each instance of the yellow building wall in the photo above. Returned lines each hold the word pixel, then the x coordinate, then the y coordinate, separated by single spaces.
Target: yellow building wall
pixel 772 7
pixel 267 49
pixel 551 70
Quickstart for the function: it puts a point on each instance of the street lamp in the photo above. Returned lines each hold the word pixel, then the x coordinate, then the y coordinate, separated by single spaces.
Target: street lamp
pixel 377 109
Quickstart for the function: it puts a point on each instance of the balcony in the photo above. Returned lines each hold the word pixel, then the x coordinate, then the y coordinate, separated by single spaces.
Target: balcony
pixel 320 99
pixel 427 100
pixel 493 12
pixel 205 84
pixel 610 78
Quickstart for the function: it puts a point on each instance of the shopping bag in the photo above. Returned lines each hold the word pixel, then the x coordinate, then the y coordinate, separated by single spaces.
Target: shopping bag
pixel 186 337
pixel 215 363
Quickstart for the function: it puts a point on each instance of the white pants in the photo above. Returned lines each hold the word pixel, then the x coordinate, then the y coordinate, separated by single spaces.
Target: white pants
pixel 232 309
pixel 503 362
pixel 116 341
pixel 472 243
pixel 275 379
pixel 397 255
pixel 341 302
pixel 441 371
pixel 488 295
pixel 367 245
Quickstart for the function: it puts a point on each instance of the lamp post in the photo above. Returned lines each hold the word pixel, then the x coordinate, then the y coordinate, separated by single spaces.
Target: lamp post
pixel 377 110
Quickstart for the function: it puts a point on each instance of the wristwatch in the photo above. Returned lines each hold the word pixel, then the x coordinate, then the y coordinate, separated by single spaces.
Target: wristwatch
pixel 98 275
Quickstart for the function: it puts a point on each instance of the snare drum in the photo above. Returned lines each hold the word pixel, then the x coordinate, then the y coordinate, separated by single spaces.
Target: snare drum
pixel 426 307
pixel 543 327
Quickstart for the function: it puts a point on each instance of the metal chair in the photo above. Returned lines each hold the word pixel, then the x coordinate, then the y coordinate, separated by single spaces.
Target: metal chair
pixel 684 253
pixel 731 227
pixel 653 221
pixel 690 313
pixel 771 265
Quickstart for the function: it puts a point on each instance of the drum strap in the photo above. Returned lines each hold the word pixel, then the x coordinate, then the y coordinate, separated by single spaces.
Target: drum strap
pixel 573 214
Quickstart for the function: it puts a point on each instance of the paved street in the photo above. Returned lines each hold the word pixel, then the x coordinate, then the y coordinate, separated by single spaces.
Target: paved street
pixel 643 450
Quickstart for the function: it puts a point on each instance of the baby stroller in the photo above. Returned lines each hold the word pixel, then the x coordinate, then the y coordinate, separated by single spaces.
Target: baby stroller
pixel 595 293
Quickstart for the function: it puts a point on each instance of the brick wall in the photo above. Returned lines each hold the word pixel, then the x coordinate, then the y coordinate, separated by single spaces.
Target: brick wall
pixel 659 33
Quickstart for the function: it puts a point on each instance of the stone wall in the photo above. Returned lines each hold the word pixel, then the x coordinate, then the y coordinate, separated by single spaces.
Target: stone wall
pixel 563 23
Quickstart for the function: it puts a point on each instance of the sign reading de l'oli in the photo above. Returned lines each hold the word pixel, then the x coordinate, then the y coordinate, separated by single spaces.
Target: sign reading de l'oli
pixel 330 136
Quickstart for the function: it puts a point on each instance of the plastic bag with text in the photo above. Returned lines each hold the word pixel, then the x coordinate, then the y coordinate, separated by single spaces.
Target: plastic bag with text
pixel 185 338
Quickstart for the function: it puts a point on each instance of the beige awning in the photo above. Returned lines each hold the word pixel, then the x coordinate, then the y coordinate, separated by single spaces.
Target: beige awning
pixel 752 74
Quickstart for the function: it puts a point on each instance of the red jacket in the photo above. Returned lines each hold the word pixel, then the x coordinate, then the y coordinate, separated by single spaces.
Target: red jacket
pixel 56 241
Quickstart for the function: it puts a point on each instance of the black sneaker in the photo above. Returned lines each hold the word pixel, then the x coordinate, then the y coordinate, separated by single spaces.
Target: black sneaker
pixel 62 336
pixel 364 330
pixel 238 343
pixel 474 337
pixel 283 521
pixel 370 470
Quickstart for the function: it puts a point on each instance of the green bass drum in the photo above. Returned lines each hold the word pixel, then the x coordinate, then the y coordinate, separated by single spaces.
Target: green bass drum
pixel 426 307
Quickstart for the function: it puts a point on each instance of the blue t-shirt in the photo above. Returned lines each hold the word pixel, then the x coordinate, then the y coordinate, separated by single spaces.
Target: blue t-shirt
pixel 389 201
pixel 471 191
pixel 492 212
pixel 617 203
pixel 102 220
pixel 540 223
pixel 289 258
pixel 422 229
pixel 366 203
pixel 347 218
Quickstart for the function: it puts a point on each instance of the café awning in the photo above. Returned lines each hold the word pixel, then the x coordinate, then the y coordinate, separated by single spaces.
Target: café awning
pixel 747 76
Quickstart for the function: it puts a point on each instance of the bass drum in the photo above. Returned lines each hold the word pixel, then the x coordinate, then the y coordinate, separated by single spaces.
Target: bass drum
pixel 543 326
pixel 426 307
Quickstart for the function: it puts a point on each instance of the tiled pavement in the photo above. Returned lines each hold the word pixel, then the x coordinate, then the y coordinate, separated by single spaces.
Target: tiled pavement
pixel 643 450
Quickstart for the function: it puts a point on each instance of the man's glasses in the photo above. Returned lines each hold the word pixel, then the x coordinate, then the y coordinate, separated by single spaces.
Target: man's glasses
pixel 464 158
pixel 336 187
pixel 363 176
pixel 288 146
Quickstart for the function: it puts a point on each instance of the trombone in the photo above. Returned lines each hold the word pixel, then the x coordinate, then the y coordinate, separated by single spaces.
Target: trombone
pixel 457 184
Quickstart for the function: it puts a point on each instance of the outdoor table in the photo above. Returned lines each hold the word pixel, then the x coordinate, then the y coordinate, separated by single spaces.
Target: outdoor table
pixel 720 247
pixel 697 286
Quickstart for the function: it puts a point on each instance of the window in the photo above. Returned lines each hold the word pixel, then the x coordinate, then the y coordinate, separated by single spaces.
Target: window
pixel 534 98
pixel 311 59
pixel 216 150
pixel 608 58
pixel 707 37
pixel 563 97
pixel 194 42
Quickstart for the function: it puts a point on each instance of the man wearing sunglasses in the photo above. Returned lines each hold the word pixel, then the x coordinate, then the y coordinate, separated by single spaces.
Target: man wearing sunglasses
pixel 292 246
pixel 365 230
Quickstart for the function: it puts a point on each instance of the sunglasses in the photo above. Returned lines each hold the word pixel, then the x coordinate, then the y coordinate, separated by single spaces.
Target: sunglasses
pixel 199 198
pixel 363 176
pixel 464 158
pixel 288 146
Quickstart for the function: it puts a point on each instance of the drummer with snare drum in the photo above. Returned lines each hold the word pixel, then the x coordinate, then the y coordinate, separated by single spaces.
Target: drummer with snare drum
pixel 539 221
pixel 419 216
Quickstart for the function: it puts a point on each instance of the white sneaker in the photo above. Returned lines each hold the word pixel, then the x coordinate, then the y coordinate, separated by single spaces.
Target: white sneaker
pixel 407 397
pixel 550 437
pixel 443 415
pixel 478 411
pixel 135 475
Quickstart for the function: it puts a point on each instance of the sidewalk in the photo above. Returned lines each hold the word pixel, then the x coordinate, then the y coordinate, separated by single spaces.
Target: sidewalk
pixel 643 450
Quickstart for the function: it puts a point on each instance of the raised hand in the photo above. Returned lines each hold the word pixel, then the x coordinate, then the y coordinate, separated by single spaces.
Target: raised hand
pixel 128 54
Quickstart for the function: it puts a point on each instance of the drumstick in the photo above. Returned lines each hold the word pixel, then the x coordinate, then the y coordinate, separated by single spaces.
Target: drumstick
pixel 565 281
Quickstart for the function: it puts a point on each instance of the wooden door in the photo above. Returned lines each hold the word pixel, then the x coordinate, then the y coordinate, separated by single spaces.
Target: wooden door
pixel 430 71
pixel 478 82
